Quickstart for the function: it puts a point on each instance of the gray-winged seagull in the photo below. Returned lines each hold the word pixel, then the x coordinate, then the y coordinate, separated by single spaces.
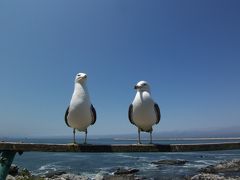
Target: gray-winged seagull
pixel 144 112
pixel 80 114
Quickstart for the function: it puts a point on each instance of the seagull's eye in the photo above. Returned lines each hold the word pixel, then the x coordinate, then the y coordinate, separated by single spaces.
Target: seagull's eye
pixel 78 75
pixel 144 84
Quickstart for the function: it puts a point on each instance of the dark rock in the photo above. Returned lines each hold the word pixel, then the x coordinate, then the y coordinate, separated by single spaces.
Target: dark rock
pixel 17 173
pixel 170 162
pixel 121 171
pixel 54 173
pixel 120 177
pixel 71 177
pixel 13 171
pixel 223 167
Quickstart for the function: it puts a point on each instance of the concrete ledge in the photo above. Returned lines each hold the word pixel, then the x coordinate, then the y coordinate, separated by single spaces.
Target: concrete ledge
pixel 25 147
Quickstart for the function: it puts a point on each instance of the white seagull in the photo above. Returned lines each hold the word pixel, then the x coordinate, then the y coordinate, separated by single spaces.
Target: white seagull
pixel 80 114
pixel 144 112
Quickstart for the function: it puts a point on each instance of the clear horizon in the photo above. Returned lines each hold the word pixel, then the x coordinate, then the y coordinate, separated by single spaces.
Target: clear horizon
pixel 227 132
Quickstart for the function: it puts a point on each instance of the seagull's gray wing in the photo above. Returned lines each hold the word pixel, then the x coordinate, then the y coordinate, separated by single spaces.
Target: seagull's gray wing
pixel 66 114
pixel 158 113
pixel 94 114
pixel 130 111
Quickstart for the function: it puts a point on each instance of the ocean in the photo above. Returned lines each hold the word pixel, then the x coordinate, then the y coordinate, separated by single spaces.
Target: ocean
pixel 91 164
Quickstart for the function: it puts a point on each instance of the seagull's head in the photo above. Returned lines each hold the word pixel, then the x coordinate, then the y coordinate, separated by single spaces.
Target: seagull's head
pixel 142 86
pixel 80 78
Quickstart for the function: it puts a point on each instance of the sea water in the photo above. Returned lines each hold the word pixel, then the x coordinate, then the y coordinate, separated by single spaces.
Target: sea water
pixel 91 164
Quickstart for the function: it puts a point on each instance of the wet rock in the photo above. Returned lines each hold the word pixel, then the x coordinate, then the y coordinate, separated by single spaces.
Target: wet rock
pixel 24 172
pixel 223 167
pixel 170 162
pixel 122 171
pixel 13 171
pixel 204 176
pixel 10 177
pixel 99 177
pixel 54 174
pixel 69 177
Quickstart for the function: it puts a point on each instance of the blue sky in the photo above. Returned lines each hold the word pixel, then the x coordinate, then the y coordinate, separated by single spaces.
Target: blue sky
pixel 188 51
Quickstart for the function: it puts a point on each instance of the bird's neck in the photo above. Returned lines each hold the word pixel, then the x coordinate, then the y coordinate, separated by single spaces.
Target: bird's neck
pixel 147 93
pixel 143 95
pixel 80 90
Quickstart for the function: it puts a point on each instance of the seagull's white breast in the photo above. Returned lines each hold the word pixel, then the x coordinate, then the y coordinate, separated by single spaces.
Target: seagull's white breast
pixel 79 116
pixel 143 115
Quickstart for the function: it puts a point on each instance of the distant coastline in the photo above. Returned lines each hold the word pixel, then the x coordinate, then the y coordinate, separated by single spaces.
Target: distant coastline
pixel 180 139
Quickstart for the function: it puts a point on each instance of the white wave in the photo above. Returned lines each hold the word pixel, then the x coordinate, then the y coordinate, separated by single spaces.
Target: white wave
pixel 126 156
pixel 206 162
pixel 200 164
pixel 181 153
pixel 150 166
pixel 50 167
pixel 138 158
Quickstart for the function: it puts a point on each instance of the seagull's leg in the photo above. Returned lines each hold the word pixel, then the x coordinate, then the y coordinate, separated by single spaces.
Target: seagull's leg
pixel 150 137
pixel 74 139
pixel 85 141
pixel 139 141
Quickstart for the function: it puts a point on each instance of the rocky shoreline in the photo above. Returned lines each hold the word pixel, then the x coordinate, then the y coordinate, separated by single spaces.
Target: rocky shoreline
pixel 229 170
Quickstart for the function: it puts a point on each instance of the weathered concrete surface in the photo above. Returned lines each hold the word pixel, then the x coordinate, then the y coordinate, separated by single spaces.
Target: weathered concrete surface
pixel 24 147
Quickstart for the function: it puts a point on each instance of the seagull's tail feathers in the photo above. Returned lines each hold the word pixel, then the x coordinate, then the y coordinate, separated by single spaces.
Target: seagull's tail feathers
pixel 158 113
pixel 130 111
pixel 94 115
pixel 65 117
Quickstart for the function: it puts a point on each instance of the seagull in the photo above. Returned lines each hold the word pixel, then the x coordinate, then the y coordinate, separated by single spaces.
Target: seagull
pixel 80 114
pixel 143 112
